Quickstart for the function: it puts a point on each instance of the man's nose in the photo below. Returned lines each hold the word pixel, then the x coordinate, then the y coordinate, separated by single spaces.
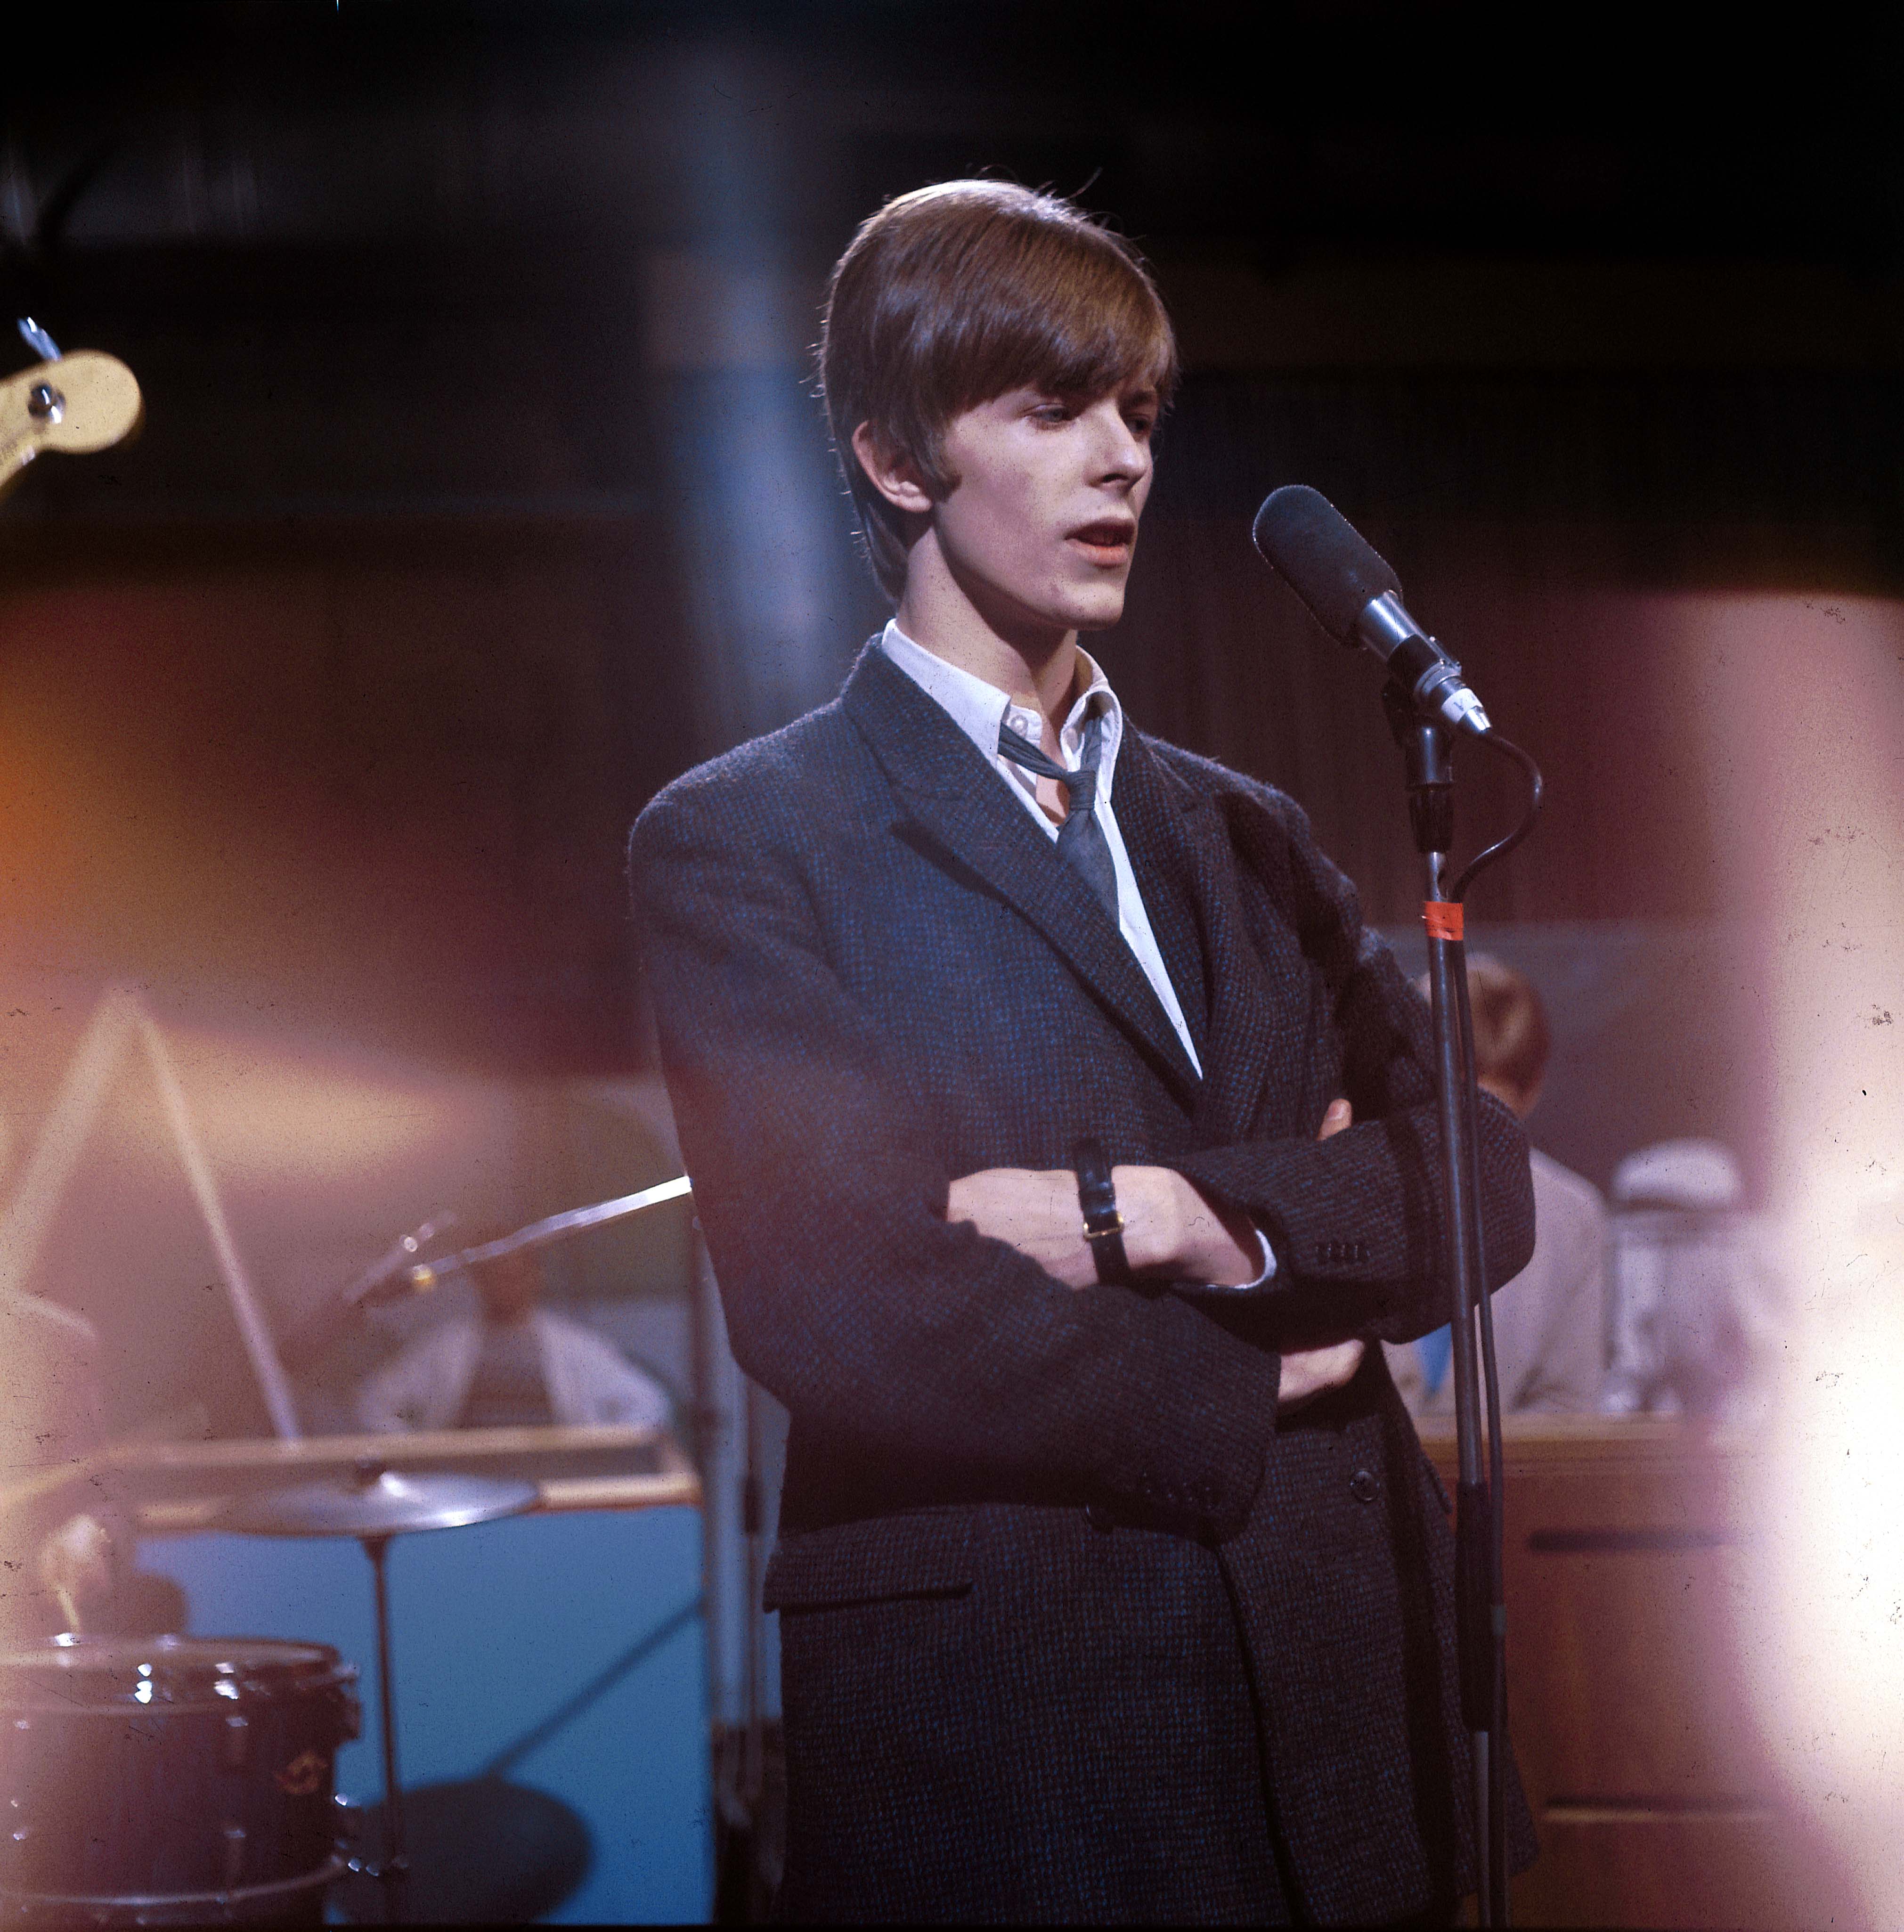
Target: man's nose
pixel 1118 453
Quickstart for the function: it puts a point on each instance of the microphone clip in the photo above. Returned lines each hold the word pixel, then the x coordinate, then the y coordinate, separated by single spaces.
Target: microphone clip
pixel 1428 764
pixel 1432 679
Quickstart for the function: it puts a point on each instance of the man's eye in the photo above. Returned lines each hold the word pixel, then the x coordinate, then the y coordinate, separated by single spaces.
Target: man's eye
pixel 1142 425
pixel 1054 412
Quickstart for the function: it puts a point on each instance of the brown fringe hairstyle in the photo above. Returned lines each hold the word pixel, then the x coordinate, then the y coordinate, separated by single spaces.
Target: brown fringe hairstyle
pixel 1511 1037
pixel 951 296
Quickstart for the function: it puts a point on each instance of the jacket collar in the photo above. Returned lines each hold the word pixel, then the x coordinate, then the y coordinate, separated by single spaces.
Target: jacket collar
pixel 979 708
pixel 949 796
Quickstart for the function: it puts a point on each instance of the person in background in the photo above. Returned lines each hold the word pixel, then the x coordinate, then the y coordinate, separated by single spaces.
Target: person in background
pixel 1549 1321
pixel 64 1568
pixel 512 1365
pixel 53 1559
pixel 1696 1299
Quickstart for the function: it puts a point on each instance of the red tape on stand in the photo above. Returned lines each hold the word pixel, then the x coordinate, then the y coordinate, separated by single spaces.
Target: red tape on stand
pixel 1442 918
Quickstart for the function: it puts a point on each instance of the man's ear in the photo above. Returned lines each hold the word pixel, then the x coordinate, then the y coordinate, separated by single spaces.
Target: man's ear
pixel 894 474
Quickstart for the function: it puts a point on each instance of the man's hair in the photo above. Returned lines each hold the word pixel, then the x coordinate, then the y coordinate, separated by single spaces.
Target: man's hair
pixel 951 296
pixel 1511 1037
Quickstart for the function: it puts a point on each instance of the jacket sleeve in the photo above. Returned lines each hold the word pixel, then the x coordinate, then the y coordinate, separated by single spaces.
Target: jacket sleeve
pixel 905 1342
pixel 1356 1222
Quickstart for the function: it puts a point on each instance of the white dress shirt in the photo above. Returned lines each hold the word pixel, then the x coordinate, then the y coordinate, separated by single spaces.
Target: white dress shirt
pixel 979 708
pixel 589 1381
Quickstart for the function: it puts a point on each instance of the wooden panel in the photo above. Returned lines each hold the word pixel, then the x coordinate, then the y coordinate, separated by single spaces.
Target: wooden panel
pixel 1619 1690
pixel 1613 1866
pixel 1655 1802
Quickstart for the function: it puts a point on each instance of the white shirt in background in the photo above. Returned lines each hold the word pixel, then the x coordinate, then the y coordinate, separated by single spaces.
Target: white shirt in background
pixel 1549 1340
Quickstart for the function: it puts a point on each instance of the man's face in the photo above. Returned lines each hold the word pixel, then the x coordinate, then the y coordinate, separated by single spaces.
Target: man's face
pixel 1039 530
pixel 510 1286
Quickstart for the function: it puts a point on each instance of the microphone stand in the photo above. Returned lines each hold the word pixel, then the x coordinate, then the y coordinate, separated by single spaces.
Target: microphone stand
pixel 1480 1609
pixel 396 1272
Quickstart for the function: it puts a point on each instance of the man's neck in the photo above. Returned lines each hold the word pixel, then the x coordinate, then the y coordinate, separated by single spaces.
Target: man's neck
pixel 1031 665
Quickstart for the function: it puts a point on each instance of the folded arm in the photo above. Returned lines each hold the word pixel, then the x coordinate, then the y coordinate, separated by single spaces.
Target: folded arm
pixel 849 1293
pixel 1173 1232
pixel 1356 1220
pixel 1354 1217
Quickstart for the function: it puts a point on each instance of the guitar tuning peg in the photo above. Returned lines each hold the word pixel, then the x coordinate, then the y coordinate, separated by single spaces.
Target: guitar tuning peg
pixel 37 339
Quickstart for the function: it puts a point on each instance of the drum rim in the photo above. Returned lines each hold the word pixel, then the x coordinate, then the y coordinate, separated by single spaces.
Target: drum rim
pixel 332 1868
pixel 27 1674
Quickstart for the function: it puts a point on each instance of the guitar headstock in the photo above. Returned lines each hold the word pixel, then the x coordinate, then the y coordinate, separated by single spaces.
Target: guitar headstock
pixel 83 402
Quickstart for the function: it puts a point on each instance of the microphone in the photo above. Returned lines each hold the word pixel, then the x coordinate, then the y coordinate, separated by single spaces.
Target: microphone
pixel 1352 593
pixel 388 1277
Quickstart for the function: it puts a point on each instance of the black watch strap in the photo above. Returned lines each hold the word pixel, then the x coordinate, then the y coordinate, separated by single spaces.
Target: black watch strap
pixel 1103 1226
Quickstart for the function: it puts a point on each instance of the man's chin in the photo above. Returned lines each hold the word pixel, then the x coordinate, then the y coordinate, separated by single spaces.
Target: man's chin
pixel 1094 606
pixel 1051 610
pixel 1102 616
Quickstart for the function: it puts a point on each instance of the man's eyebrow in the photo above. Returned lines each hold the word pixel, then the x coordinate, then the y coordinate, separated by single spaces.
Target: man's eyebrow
pixel 1084 398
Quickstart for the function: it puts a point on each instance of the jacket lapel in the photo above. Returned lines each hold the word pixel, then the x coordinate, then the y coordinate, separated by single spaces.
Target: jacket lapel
pixel 1150 820
pixel 949 800
pixel 1181 849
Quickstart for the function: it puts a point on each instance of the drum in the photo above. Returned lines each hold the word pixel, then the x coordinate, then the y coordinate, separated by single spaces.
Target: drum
pixel 170 1780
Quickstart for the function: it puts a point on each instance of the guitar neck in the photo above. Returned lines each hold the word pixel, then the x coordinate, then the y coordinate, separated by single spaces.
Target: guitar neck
pixel 84 402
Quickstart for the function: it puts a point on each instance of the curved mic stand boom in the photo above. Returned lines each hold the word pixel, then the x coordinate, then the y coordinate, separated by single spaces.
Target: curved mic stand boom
pixel 424 1276
pixel 396 1272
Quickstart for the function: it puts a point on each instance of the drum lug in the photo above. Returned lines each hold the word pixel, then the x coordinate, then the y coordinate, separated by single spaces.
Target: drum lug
pixel 237 1741
pixel 234 1854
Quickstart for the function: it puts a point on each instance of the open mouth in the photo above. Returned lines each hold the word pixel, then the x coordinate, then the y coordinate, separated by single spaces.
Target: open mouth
pixel 1106 541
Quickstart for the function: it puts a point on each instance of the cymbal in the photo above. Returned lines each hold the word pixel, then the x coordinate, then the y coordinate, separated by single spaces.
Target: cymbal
pixel 379 1502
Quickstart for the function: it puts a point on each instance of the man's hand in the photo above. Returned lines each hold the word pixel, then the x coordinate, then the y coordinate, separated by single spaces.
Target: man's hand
pixel 77 1563
pixel 1310 1372
pixel 1170 1231
pixel 1036 1213
pixel 1314 1372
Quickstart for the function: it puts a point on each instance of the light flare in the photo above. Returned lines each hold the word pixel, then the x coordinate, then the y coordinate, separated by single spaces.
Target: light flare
pixel 1802 698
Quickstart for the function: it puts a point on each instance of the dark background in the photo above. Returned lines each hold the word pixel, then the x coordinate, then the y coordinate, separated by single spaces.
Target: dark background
pixel 482 488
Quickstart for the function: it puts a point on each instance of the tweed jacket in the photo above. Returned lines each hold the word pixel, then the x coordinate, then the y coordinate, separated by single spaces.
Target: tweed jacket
pixel 1073 1626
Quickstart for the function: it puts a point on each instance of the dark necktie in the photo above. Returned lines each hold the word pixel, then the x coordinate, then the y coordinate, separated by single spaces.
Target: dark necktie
pixel 1081 842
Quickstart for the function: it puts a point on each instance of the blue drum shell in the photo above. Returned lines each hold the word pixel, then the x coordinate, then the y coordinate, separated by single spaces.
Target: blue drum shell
pixel 142 1767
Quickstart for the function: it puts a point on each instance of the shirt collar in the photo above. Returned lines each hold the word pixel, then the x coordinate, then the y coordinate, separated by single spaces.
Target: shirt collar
pixel 978 709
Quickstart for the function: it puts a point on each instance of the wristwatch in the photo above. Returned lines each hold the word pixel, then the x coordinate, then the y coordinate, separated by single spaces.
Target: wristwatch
pixel 1103 1226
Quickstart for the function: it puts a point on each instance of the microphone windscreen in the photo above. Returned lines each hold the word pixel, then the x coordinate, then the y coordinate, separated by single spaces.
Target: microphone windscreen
pixel 1323 557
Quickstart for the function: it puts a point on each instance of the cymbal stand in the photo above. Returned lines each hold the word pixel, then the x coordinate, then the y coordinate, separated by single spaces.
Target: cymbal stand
pixel 374 1506
pixel 392 1868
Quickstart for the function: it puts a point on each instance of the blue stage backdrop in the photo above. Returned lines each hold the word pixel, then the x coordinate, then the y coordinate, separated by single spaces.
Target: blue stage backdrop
pixel 563 1653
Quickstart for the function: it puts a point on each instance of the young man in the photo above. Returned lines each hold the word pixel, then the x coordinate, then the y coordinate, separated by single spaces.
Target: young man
pixel 1113 1584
